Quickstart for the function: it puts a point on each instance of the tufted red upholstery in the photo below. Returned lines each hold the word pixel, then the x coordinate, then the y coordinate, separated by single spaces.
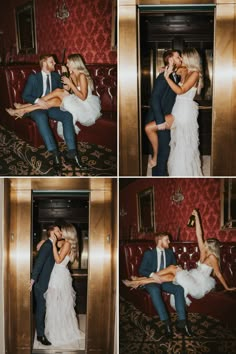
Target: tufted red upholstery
pixel 103 132
pixel 218 303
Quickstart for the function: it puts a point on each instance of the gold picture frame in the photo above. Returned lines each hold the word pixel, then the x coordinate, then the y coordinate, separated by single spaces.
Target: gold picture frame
pixel 25 28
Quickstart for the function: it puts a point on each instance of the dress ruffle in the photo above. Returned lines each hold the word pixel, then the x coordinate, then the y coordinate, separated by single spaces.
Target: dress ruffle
pixel 61 325
pixel 184 159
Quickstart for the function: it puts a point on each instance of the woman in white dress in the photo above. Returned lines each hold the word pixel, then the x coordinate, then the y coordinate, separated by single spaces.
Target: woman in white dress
pixel 184 158
pixel 196 282
pixel 76 97
pixel 61 324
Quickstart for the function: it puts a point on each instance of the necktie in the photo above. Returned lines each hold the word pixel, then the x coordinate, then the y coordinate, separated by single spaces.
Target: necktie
pixel 175 77
pixel 47 86
pixel 162 260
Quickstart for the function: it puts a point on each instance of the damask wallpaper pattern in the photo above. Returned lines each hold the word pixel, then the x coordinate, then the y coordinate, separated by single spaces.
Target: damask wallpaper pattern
pixel 87 30
pixel 202 193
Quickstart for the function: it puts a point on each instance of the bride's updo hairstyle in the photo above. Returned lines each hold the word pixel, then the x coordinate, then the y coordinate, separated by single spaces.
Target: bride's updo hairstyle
pixel 213 246
pixel 69 233
pixel 79 64
pixel 192 60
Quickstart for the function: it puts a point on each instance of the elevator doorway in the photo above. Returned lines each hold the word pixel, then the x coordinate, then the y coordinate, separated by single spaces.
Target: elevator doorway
pixel 99 265
pixel 61 208
pixel 176 28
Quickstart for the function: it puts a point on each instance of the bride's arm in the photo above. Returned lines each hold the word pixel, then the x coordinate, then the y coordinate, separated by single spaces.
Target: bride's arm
pixel 63 251
pixel 82 93
pixel 179 90
pixel 199 233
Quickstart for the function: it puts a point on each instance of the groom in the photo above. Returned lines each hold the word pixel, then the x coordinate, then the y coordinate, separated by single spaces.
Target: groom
pixel 40 278
pixel 153 261
pixel 38 85
pixel 161 104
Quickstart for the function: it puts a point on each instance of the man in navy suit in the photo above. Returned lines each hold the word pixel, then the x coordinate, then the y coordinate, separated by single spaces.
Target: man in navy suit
pixel 40 278
pixel 153 261
pixel 161 104
pixel 38 85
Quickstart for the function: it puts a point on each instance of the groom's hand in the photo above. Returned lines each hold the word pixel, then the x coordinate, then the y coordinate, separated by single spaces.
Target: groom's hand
pixel 42 103
pixel 157 278
pixel 31 284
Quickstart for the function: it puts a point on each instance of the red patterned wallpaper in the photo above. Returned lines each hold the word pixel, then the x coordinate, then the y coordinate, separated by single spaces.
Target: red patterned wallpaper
pixel 201 193
pixel 86 31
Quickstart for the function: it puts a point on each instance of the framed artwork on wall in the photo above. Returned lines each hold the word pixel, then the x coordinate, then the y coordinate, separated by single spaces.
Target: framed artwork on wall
pixel 25 28
pixel 114 26
pixel 228 203
pixel 145 207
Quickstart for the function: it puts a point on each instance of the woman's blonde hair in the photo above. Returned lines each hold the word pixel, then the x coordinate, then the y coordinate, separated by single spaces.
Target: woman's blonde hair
pixel 192 60
pixel 214 247
pixel 79 64
pixel 69 233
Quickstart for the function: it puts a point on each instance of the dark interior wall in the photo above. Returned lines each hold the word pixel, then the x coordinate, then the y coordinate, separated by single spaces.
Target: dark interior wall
pixel 87 30
pixel 202 193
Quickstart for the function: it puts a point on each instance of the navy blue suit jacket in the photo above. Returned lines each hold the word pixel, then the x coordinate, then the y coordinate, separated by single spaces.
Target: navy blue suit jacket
pixel 162 100
pixel 149 261
pixel 43 266
pixel 34 86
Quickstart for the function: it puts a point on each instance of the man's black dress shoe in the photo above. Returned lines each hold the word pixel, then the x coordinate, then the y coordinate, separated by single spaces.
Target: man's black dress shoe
pixel 57 164
pixel 43 340
pixel 186 331
pixel 168 331
pixel 75 161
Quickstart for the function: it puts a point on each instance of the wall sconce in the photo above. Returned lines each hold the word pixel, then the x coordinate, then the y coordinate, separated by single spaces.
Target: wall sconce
pixel 177 197
pixel 62 12
pixel 123 212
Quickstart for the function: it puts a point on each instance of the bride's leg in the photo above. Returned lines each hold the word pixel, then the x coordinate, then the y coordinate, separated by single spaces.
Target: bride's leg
pixel 151 131
pixel 172 269
pixel 21 105
pixel 169 118
pixel 57 93
pixel 54 102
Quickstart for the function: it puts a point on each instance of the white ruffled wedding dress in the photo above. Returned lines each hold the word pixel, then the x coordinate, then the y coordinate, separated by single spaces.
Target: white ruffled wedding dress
pixel 85 112
pixel 61 325
pixel 184 158
pixel 196 282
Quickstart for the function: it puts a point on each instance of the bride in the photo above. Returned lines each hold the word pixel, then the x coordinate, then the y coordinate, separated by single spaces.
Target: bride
pixel 184 158
pixel 61 324
pixel 196 282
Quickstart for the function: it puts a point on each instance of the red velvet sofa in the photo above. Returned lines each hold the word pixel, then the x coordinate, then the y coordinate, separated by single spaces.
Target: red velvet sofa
pixel 103 132
pixel 217 303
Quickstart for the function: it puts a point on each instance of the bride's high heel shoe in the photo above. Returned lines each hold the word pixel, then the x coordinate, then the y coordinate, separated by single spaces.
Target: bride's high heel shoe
pixel 152 163
pixel 12 112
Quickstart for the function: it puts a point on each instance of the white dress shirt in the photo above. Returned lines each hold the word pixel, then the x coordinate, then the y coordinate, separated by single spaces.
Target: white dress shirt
pixel 159 259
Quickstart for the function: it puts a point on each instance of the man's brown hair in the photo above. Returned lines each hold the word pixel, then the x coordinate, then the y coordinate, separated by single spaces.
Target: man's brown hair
pixel 44 57
pixel 168 54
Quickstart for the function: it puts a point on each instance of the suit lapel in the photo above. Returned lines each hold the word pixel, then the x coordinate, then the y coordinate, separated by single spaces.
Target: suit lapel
pixel 155 260
pixel 40 83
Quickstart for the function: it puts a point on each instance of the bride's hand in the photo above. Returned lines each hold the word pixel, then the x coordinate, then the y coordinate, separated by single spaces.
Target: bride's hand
pixel 66 81
pixel 168 71
pixel 195 213
pixel 231 289
pixel 54 239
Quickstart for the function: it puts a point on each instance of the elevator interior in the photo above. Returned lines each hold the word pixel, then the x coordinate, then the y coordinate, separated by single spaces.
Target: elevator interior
pixel 176 29
pixel 61 208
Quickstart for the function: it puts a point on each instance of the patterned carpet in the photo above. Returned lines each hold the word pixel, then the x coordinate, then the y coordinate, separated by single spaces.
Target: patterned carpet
pixel 140 334
pixel 17 158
